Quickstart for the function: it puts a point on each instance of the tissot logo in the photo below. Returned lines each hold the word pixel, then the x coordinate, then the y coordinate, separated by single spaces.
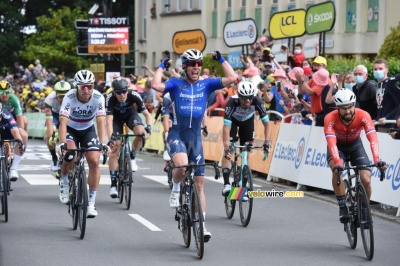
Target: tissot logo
pixel 98 21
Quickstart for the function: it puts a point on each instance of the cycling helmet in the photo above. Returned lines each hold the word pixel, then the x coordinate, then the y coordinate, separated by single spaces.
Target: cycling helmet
pixel 62 86
pixel 246 88
pixel 190 55
pixel 72 83
pixel 84 77
pixel 344 97
pixel 119 84
pixel 4 85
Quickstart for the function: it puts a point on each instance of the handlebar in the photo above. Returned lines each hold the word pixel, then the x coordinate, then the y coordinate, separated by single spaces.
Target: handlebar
pixel 194 166
pixel 360 167
pixel 115 136
pixel 83 150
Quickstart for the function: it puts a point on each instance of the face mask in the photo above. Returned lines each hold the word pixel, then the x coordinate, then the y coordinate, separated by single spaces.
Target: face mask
pixel 359 79
pixel 379 74
pixel 297 51
pixel 268 72
pixel 349 86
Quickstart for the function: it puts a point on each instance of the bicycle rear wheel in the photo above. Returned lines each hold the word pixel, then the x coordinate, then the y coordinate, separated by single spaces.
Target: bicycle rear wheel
pixel 351 226
pixel 230 204
pixel 185 217
pixel 4 190
pixel 196 215
pixel 82 203
pixel 127 182
pixel 365 218
pixel 246 207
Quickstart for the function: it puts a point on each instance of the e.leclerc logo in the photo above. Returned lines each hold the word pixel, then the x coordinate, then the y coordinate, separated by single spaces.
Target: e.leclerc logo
pixel 289 152
pixel 251 31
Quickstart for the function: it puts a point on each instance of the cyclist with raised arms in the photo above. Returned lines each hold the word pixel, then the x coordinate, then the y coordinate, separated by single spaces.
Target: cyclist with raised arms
pixel 120 109
pixel 189 98
pixel 239 113
pixel 10 102
pixel 80 108
pixel 52 108
pixel 342 131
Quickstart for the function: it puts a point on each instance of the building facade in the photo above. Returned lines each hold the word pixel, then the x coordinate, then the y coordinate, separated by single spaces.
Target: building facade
pixel 360 25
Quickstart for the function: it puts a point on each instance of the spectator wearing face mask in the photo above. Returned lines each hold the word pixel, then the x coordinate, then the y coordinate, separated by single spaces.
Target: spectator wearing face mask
pixel 365 91
pixel 298 55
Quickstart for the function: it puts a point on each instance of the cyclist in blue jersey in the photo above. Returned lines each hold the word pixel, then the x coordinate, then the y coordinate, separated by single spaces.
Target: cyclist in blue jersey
pixel 189 98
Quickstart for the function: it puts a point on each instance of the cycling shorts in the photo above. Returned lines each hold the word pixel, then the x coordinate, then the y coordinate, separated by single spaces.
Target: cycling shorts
pixel 246 130
pixel 84 138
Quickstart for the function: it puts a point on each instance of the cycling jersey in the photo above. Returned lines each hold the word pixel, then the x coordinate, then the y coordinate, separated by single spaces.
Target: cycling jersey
pixel 7 123
pixel 116 108
pixel 189 101
pixel 81 115
pixel 13 105
pixel 167 108
pixel 52 103
pixel 234 112
pixel 339 134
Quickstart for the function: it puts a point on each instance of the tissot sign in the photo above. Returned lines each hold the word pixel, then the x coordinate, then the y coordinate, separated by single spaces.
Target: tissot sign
pixel 104 22
pixel 320 17
pixel 184 40
pixel 240 32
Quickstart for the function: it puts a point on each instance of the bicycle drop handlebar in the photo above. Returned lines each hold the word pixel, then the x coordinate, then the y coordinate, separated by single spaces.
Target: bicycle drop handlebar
pixel 361 167
pixel 194 166
pixel 83 150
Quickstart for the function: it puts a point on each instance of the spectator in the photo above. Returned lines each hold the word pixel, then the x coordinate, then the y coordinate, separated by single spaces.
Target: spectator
pixel 396 134
pixel 222 98
pixel 387 95
pixel 365 91
pixel 274 96
pixel 150 100
pixel 206 73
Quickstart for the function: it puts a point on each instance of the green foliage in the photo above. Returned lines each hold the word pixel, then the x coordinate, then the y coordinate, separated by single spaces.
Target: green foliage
pixel 55 41
pixel 212 64
pixel 391 46
pixel 343 65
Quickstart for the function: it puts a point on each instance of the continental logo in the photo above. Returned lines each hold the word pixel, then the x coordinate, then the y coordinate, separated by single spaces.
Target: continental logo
pixel 108 49
pixel 184 40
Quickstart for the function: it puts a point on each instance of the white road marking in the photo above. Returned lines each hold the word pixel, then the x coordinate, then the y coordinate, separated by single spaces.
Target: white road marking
pixel 43 179
pixel 146 223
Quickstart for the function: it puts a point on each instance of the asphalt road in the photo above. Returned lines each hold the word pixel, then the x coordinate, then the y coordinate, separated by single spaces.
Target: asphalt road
pixel 302 231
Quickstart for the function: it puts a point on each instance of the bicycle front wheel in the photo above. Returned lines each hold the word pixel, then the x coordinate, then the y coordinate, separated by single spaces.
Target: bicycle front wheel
pixel 127 182
pixel 246 206
pixel 185 216
pixel 82 202
pixel 351 226
pixel 4 190
pixel 365 218
pixel 73 200
pixel 196 213
pixel 230 204
pixel 120 179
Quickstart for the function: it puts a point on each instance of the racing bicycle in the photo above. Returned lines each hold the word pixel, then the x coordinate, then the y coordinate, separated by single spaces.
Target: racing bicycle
pixel 359 209
pixel 189 213
pixel 241 176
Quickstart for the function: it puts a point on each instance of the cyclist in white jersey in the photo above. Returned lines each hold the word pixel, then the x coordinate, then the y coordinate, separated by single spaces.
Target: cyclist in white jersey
pixel 52 109
pixel 79 109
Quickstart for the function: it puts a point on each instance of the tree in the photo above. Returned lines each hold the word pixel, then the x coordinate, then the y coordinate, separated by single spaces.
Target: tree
pixel 391 46
pixel 10 34
pixel 54 43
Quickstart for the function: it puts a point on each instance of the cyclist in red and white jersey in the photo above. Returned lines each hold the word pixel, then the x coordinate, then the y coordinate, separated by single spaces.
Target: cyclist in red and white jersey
pixel 79 109
pixel 342 131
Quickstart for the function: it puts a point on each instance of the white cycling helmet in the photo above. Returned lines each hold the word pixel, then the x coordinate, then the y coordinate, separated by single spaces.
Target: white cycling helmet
pixel 246 88
pixel 190 55
pixel 84 77
pixel 344 97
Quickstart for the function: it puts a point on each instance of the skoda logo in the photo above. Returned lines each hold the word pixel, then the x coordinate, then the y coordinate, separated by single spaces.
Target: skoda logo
pixel 310 19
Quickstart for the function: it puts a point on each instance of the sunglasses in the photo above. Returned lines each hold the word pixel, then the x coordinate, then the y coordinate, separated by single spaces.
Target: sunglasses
pixel 244 98
pixel 194 63
pixel 60 95
pixel 121 92
pixel 85 87
pixel 5 92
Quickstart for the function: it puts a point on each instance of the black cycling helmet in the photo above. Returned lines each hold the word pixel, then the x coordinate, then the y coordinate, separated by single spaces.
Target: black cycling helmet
pixel 119 84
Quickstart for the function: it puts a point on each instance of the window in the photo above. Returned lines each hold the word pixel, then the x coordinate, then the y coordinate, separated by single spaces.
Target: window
pixel 243 3
pixel 214 24
pixel 178 5
pixel 167 6
pixel 215 6
pixel 351 12
pixel 257 19
pixel 242 13
pixel 274 1
pixel 190 4
pixel 228 4
pixel 373 15
pixel 144 15
pixel 258 2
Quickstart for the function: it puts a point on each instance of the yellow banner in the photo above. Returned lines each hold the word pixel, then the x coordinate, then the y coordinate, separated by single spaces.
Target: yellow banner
pixel 184 40
pixel 287 24
pixel 108 49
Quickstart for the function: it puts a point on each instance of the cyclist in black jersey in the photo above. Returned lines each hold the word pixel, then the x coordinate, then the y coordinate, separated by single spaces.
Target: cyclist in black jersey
pixel 239 113
pixel 122 106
